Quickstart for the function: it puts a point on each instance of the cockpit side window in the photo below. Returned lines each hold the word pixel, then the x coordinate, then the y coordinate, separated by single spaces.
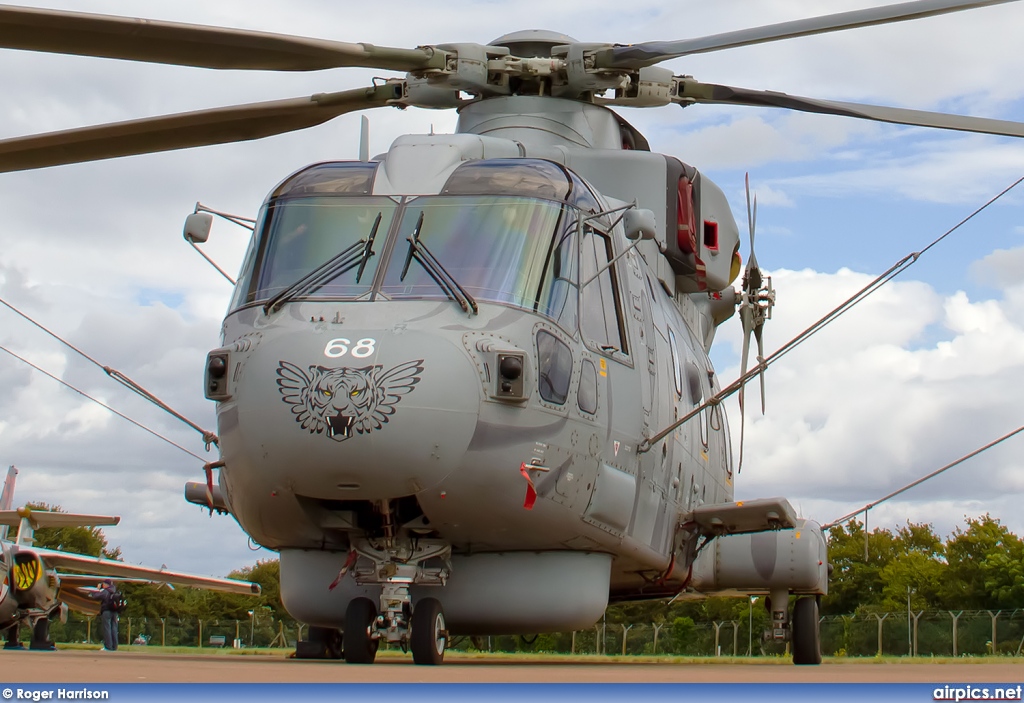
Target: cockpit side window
pixel 558 293
pixel 601 314
pixel 243 286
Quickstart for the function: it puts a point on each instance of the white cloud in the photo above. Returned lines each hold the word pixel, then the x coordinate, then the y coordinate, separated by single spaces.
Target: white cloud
pixel 865 407
pixel 961 170
pixel 1002 268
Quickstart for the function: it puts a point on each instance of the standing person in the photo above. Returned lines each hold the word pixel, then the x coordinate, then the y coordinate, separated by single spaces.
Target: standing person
pixel 108 596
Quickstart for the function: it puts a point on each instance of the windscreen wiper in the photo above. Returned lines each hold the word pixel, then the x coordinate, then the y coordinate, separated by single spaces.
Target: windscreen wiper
pixel 368 251
pixel 340 263
pixel 419 251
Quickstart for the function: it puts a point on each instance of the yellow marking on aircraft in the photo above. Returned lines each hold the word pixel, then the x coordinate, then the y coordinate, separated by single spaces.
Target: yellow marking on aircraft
pixel 25 575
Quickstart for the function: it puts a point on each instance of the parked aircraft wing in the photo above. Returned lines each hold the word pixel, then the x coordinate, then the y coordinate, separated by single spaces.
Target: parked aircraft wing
pixel 46 518
pixel 92 580
pixel 103 568
pixel 78 599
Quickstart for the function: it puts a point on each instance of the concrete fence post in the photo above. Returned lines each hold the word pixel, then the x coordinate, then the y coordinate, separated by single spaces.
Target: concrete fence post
pixel 880 619
pixel 955 617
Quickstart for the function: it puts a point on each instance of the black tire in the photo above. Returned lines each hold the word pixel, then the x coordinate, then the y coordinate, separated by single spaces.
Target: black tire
pixel 359 647
pixel 41 635
pixel 806 632
pixel 429 634
pixel 11 637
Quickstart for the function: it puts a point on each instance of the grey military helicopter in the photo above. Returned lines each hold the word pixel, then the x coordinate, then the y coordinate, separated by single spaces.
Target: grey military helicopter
pixel 463 387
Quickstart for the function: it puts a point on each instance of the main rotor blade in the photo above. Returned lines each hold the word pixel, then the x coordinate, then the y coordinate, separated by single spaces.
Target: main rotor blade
pixel 134 39
pixel 691 91
pixel 649 53
pixel 217 126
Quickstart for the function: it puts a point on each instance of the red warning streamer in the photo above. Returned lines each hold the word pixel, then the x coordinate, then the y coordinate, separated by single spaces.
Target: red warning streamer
pixel 349 563
pixel 531 491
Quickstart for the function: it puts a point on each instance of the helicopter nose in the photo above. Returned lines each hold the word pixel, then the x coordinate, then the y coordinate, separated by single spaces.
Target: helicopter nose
pixel 382 414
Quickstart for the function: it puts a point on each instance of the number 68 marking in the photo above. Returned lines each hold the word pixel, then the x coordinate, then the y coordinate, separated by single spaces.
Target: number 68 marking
pixel 340 347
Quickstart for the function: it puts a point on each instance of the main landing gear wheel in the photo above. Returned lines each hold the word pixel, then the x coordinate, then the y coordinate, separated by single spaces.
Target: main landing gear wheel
pixel 806 632
pixel 359 647
pixel 41 636
pixel 429 635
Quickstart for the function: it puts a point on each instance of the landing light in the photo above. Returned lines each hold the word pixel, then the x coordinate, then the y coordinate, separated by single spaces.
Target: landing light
pixel 217 363
pixel 510 375
pixel 217 367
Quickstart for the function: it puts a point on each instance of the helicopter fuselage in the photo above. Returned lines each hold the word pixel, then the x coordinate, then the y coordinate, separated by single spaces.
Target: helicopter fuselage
pixel 456 348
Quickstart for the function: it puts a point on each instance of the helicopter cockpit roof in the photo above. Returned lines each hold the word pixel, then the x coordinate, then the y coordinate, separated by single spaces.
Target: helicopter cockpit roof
pixel 534 178
pixel 530 177
pixel 330 178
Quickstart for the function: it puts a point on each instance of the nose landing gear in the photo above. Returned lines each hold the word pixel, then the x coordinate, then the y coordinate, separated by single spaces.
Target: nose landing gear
pixel 429 636
pixel 394 569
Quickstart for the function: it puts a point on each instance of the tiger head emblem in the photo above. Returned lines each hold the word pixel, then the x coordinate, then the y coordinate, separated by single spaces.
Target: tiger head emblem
pixel 341 401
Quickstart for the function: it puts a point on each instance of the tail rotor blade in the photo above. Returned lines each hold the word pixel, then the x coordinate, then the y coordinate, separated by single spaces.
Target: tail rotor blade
pixel 756 301
pixel 747 320
pixel 760 359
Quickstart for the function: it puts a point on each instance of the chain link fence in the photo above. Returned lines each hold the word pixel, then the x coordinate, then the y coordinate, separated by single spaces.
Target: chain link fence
pixel 925 634
pixel 179 632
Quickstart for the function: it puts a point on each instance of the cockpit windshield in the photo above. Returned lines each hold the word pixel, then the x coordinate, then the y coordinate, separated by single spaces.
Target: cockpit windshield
pixel 302 234
pixel 508 249
pixel 502 231
pixel 504 249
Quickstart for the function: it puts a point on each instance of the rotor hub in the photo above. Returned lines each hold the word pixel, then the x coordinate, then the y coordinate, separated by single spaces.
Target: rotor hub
pixel 533 43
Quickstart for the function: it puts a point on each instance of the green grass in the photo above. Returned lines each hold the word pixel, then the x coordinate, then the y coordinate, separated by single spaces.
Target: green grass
pixel 474 656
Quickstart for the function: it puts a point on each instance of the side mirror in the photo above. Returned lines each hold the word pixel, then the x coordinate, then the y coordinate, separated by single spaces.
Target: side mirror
pixel 639 224
pixel 197 227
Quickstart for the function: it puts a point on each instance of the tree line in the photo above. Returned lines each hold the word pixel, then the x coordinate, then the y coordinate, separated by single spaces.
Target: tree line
pixel 980 566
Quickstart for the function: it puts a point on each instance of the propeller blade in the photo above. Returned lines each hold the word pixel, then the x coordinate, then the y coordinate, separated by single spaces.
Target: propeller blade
pixel 636 56
pixel 758 332
pixel 747 320
pixel 133 39
pixel 691 91
pixel 188 129
pixel 750 214
pixel 753 272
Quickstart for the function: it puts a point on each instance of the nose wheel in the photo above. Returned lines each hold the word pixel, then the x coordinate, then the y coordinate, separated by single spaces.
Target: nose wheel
pixel 428 637
pixel 359 646
pixel 429 634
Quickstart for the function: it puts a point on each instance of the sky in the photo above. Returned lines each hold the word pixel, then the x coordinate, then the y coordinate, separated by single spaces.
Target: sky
pixel 924 372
